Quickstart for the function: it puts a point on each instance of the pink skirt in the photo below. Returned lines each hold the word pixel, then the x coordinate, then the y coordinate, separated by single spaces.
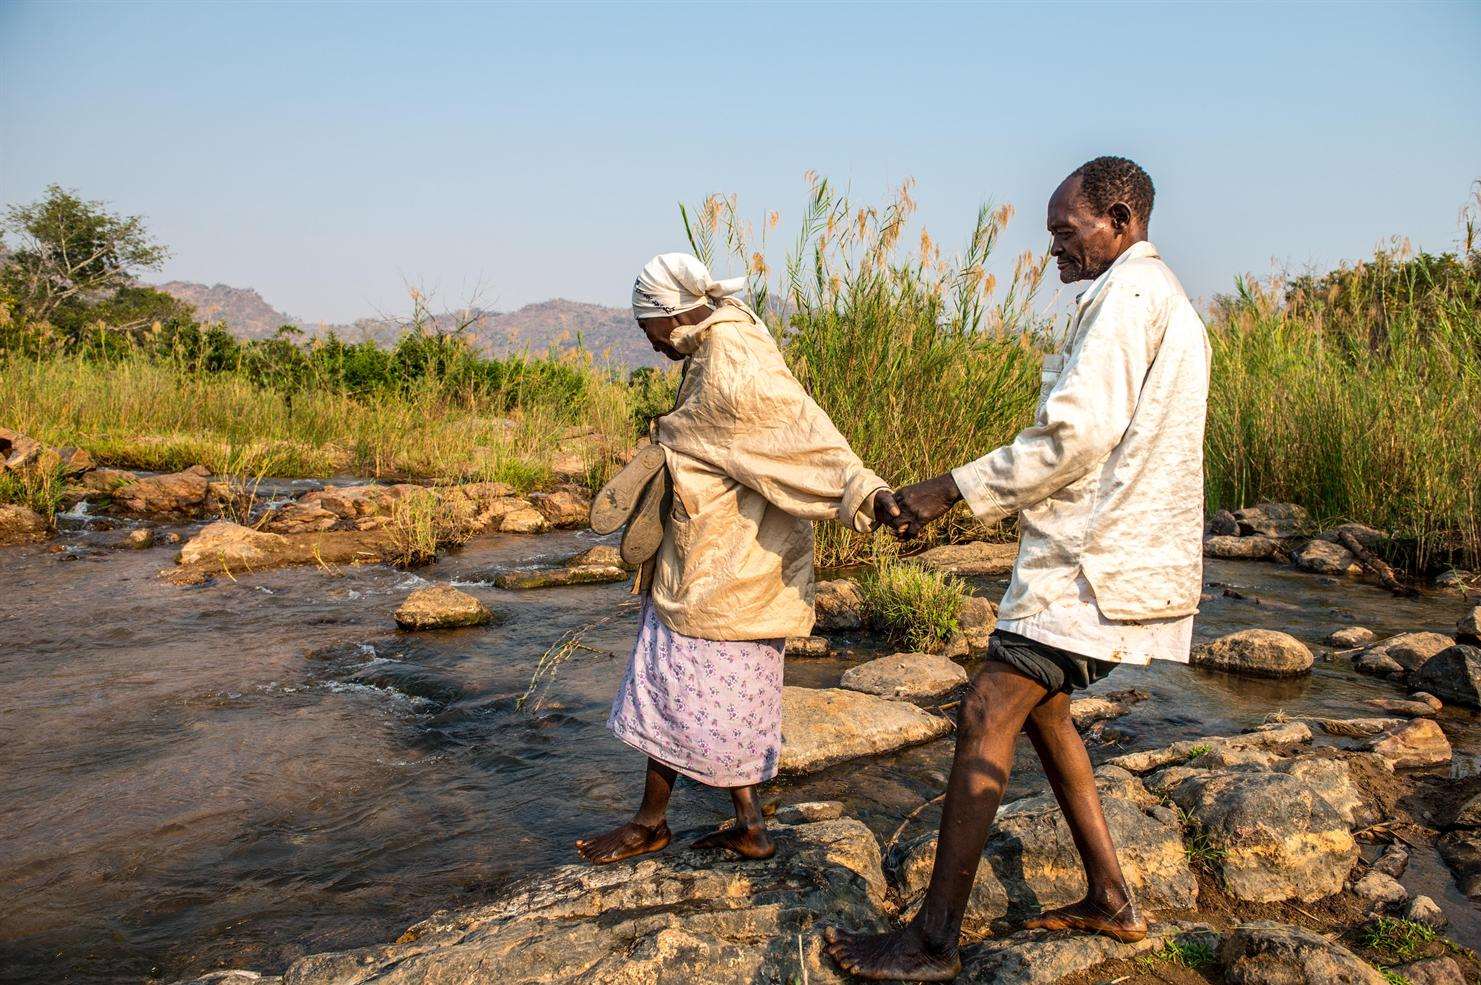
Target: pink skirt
pixel 710 709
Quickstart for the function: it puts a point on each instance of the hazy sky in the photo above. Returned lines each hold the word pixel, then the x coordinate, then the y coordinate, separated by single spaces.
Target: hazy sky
pixel 324 153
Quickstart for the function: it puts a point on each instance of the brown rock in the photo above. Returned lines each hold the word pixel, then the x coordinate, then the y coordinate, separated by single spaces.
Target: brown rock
pixel 441 607
pixel 908 676
pixel 1431 971
pixel 179 494
pixel 1409 650
pixel 1469 626
pixel 231 544
pixel 1257 652
pixel 19 525
pixel 808 646
pixel 1326 558
pixel 838 605
pixel 1397 706
pixel 1276 520
pixel 1254 548
pixel 974 559
pixel 580 574
pixel 821 727
pixel 524 520
pixel 562 508
pixel 1266 953
pixel 1352 636
pixel 1419 742
pixel 1380 890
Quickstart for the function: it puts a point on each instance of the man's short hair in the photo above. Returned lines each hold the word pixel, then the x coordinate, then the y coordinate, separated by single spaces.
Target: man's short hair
pixel 1108 180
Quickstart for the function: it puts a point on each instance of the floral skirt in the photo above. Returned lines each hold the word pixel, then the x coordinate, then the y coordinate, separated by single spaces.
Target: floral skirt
pixel 710 709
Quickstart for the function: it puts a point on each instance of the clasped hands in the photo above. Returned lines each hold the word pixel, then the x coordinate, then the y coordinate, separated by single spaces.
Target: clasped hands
pixel 907 509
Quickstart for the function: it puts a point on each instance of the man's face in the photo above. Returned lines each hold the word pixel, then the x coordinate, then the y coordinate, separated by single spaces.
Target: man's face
pixel 660 331
pixel 1083 243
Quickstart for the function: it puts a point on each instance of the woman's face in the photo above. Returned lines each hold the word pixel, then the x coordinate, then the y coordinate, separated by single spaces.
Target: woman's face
pixel 660 332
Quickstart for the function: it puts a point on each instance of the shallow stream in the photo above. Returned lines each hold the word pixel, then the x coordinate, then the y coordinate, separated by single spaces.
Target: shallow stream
pixel 243 772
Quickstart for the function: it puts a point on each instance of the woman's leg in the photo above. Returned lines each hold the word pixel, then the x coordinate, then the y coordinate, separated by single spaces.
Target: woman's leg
pixel 747 837
pixel 648 831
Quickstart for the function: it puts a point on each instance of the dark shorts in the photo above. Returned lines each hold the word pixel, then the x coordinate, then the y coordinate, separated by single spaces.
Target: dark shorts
pixel 1057 670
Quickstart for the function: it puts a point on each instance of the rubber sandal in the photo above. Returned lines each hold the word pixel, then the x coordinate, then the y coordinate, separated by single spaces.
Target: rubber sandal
pixel 619 498
pixel 644 532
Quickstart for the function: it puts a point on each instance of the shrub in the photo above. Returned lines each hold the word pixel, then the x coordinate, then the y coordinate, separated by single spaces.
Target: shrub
pixel 915 607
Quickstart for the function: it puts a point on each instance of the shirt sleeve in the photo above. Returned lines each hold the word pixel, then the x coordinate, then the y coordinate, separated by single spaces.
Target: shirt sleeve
pixel 1085 416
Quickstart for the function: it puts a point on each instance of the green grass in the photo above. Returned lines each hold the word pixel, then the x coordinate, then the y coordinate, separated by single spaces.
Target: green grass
pixel 911 605
pixel 420 524
pixel 1396 940
pixel 38 489
pixel 1197 751
pixel 1188 952
pixel 1393 977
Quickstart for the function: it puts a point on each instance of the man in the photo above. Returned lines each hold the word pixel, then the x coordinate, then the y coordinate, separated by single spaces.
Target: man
pixel 1108 485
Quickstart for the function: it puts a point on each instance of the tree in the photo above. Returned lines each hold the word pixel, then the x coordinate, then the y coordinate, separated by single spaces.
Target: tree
pixel 71 252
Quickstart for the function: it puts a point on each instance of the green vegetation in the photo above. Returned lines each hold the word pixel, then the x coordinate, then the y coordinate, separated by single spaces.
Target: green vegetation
pixel 420 524
pixel 37 489
pixel 1188 952
pixel 914 606
pixel 1393 977
pixel 1396 940
pixel 1202 749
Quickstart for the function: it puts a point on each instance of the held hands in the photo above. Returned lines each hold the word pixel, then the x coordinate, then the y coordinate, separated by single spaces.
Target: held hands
pixel 911 507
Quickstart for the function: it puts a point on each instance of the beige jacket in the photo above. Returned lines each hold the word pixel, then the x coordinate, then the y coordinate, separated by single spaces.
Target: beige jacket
pixel 753 462
pixel 1109 478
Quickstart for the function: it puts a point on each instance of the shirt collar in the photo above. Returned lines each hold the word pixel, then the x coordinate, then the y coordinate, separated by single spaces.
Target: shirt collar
pixel 1135 251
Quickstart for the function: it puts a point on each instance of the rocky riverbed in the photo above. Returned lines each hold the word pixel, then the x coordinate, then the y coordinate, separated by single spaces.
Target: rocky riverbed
pixel 278 768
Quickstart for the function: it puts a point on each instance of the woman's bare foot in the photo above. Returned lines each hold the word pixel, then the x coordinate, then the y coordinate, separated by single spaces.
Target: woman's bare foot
pixel 1123 923
pixel 630 840
pixel 900 954
pixel 748 842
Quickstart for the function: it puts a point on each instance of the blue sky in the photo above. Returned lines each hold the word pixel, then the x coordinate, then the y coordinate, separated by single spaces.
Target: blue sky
pixel 326 153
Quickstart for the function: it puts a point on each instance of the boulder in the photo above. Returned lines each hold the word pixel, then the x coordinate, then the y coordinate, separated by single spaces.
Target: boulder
pixel 1098 708
pixel 1454 674
pixel 600 554
pixel 303 516
pixel 1377 663
pixel 20 525
pixel 523 520
pixel 1256 652
pixel 232 545
pixel 1326 558
pixel 1380 891
pixel 1422 909
pixel 1038 957
pixel 178 494
pixel 1431 971
pixel 1030 862
pixel 1241 548
pixel 1370 537
pixel 104 481
pixel 1332 781
pixel 668 919
pixel 136 540
pixel 441 607
pixel 839 605
pixel 17 450
pixel 1468 814
pixel 821 727
pixel 1193 751
pixel 1272 836
pixel 1412 650
pixel 1461 850
pixel 1221 524
pixel 1469 626
pixel 808 646
pixel 562 508
pixel 1436 705
pixel 1276 520
pixel 977 618
pixel 978 558
pixel 578 574
pixel 1350 637
pixel 1263 952
pixel 1393 861
pixel 909 676
pixel 1419 742
pixel 1398 706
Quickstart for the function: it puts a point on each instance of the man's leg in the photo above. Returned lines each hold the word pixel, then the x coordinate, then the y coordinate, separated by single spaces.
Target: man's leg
pixel 1107 907
pixel 648 831
pixel 747 837
pixel 991 715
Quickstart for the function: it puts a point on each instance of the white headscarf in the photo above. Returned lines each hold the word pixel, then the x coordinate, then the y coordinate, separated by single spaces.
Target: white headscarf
pixel 672 283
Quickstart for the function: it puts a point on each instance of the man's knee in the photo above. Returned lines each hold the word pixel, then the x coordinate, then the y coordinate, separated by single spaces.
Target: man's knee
pixel 997 698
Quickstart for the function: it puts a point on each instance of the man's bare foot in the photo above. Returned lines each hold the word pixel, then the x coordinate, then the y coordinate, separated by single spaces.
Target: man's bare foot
pixel 1123 923
pixel 747 842
pixel 900 954
pixel 625 842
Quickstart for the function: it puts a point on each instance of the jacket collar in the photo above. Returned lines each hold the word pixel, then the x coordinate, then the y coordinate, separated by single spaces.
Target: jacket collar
pixel 686 338
pixel 1135 251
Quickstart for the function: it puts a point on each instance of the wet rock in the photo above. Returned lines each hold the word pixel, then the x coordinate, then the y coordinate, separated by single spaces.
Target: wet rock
pixel 1030 861
pixel 1398 706
pixel 1257 652
pixel 179 494
pixel 1469 626
pixel 1191 751
pixel 977 558
pixel 1431 971
pixel 808 646
pixel 231 544
pixel 1276 520
pixel 1413 650
pixel 1092 708
pixel 441 607
pixel 1241 548
pixel 1435 703
pixel 1275 836
pixel 578 574
pixel 173 537
pixel 1453 674
pixel 1222 524
pixel 600 554
pixel 674 918
pixel 1422 909
pixel 1377 663
pixel 234 977
pixel 1416 743
pixel 821 727
pixel 1393 861
pixel 839 605
pixel 19 525
pixel 1326 558
pixel 1350 637
pixel 523 520
pixel 1461 850
pixel 563 507
pixel 1263 952
pixel 1380 891
pixel 136 540
pixel 908 676
pixel 302 517
pixel 104 481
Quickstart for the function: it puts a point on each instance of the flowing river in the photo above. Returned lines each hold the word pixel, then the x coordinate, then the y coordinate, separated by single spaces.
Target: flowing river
pixel 240 773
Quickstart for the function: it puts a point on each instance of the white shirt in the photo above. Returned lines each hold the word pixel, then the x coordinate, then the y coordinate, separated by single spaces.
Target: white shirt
pixel 1108 480
pixel 1075 623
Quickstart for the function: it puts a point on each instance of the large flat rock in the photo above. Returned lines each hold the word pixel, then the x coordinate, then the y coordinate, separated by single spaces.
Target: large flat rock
pixel 824 726
pixel 977 558
pixel 679 918
pixel 910 676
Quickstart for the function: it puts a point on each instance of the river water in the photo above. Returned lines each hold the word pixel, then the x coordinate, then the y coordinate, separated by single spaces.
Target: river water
pixel 240 773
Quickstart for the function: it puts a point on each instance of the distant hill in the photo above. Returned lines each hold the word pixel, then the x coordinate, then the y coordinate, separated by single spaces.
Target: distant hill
pixel 608 333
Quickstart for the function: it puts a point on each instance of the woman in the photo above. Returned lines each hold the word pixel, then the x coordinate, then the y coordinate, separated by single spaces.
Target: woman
pixel 752 461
